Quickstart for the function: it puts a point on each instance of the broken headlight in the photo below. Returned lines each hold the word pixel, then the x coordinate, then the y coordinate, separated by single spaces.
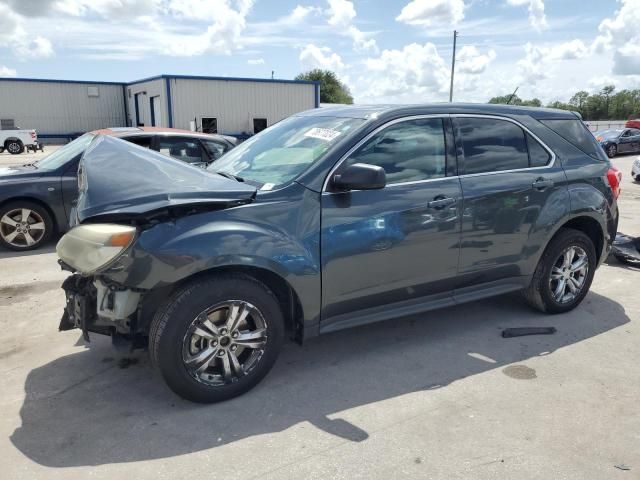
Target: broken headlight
pixel 89 248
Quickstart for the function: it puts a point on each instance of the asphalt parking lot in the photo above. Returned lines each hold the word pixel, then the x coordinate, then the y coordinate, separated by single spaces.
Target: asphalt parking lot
pixel 440 395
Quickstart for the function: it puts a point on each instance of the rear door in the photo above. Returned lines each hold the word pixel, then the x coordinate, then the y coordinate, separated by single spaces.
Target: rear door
pixel 513 191
pixel 398 244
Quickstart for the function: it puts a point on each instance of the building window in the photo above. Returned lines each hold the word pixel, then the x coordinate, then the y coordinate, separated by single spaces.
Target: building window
pixel 7 124
pixel 259 124
pixel 209 125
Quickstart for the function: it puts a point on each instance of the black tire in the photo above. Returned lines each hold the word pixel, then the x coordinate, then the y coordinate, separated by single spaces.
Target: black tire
pixel 173 320
pixel 14 147
pixel 539 293
pixel 19 242
pixel 612 150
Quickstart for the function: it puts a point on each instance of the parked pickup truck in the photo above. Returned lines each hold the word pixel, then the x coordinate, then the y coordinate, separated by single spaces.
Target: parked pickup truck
pixel 16 140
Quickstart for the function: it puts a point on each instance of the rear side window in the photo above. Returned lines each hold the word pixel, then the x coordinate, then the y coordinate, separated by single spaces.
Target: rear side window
pixel 142 141
pixel 538 156
pixel 492 145
pixel 575 132
pixel 409 151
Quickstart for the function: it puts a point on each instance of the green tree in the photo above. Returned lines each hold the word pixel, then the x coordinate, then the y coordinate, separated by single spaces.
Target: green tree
pixel 332 90
pixel 510 99
pixel 606 92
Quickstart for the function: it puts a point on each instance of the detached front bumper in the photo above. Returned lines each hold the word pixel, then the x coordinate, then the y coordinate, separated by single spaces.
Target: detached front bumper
pixel 95 305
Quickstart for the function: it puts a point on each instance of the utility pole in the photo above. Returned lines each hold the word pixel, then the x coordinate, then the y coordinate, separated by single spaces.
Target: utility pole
pixel 453 65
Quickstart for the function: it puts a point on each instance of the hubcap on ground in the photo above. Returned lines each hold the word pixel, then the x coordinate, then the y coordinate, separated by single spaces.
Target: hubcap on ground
pixel 224 343
pixel 22 227
pixel 569 274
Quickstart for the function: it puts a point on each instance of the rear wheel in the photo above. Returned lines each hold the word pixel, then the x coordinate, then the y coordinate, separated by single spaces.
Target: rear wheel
pixel 564 273
pixel 217 338
pixel 612 151
pixel 14 147
pixel 24 225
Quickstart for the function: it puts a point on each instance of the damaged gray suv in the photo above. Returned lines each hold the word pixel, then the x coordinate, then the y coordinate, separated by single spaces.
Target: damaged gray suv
pixel 333 218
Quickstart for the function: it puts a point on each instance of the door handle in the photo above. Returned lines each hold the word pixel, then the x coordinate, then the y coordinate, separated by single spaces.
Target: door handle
pixel 439 203
pixel 542 183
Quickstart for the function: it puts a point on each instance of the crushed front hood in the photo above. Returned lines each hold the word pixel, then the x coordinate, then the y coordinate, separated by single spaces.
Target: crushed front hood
pixel 122 181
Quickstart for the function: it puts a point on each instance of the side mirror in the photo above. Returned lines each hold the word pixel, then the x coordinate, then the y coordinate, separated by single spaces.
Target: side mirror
pixel 360 176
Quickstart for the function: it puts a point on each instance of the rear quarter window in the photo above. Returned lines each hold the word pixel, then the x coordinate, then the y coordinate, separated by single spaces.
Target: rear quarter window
pixel 575 132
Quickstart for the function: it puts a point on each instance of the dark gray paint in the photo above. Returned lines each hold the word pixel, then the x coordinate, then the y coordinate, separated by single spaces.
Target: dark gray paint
pixel 327 248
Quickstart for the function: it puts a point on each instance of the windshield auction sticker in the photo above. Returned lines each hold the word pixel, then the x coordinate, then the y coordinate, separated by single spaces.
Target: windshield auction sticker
pixel 325 134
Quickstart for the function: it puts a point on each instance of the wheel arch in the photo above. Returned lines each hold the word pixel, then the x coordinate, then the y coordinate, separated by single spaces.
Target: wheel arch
pixel 286 295
pixel 10 139
pixel 590 227
pixel 37 201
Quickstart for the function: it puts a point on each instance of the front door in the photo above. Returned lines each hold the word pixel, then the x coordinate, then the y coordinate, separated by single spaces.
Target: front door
pixel 399 244
pixel 629 141
pixel 513 190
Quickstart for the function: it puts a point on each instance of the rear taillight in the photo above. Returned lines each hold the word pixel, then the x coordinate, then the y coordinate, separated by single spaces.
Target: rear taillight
pixel 33 134
pixel 614 176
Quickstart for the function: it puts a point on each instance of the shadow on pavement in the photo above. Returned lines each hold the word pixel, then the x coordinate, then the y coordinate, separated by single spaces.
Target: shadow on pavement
pixel 83 410
pixel 49 247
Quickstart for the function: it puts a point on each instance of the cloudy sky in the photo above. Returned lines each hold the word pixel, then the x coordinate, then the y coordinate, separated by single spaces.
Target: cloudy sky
pixel 385 50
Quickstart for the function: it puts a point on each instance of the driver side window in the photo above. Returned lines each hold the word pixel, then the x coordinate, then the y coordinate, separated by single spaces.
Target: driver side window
pixel 408 151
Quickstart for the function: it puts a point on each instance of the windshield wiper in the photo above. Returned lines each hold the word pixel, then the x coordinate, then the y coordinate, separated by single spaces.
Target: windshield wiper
pixel 230 176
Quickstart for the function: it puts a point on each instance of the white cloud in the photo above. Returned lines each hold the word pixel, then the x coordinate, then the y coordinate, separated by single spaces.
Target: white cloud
pixel 299 14
pixel 115 8
pixel 535 64
pixel 413 74
pixel 537 17
pixel 10 25
pixel 622 35
pixel 313 56
pixel 532 65
pixel 470 60
pixel 256 61
pixel 341 14
pixel 432 12
pixel 39 47
pixel 13 34
pixel 7 72
pixel 223 36
pixel 568 51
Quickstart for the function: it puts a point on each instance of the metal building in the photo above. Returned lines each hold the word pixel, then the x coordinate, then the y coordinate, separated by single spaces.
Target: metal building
pixel 234 106
pixel 60 108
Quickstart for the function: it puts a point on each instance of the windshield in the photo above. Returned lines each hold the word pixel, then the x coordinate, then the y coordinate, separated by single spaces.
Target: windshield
pixel 280 153
pixel 65 154
pixel 608 133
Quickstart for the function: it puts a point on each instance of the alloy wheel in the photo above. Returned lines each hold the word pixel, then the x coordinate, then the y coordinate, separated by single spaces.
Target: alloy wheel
pixel 22 227
pixel 13 147
pixel 569 274
pixel 224 343
pixel 612 151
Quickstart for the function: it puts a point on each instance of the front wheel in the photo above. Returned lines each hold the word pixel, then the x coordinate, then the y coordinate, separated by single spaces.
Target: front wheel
pixel 564 273
pixel 612 151
pixel 217 338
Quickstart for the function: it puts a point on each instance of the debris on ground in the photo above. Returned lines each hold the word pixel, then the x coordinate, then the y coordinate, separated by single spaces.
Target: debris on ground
pixel 626 249
pixel 523 331
pixel 622 466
